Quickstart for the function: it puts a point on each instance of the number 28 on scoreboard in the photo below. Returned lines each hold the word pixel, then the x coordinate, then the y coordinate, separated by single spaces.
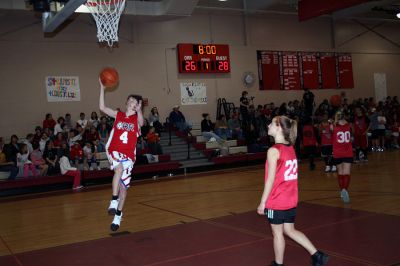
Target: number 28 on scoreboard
pixel 203 58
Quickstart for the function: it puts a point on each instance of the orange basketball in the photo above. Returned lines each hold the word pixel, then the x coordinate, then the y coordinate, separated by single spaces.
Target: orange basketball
pixel 336 100
pixel 109 77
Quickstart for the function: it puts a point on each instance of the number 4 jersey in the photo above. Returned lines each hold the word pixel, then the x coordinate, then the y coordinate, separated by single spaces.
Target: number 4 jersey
pixel 284 193
pixel 124 135
pixel 342 147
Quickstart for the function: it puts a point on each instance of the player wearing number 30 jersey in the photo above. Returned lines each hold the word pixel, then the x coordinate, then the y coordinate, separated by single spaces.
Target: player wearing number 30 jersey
pixel 280 196
pixel 121 150
pixel 342 154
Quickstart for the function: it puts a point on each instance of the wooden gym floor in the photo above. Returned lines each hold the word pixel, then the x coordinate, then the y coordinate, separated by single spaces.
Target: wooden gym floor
pixel 208 219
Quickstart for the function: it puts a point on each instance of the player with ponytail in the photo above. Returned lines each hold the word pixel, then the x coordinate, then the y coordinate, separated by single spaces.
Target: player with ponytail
pixel 280 196
pixel 342 153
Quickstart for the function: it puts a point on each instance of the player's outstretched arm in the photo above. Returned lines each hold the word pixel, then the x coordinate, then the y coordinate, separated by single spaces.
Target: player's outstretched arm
pixel 103 108
pixel 140 114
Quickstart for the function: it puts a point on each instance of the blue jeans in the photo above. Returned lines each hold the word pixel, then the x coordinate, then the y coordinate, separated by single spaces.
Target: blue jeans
pixel 224 133
pixel 10 168
pixel 209 135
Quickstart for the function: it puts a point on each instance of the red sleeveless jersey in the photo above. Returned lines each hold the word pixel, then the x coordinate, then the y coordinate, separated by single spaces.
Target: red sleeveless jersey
pixel 309 138
pixel 326 135
pixel 124 135
pixel 342 147
pixel 360 125
pixel 284 193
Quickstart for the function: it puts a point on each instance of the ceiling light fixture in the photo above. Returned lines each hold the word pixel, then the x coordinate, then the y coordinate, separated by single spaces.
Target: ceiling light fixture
pixel 398 15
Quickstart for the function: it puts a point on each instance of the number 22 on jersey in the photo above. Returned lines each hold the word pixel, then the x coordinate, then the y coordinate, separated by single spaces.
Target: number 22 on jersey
pixel 291 170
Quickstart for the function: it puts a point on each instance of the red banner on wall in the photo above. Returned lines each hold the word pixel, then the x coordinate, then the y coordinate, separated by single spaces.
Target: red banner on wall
pixel 290 71
pixel 328 70
pixel 309 68
pixel 345 66
pixel 268 69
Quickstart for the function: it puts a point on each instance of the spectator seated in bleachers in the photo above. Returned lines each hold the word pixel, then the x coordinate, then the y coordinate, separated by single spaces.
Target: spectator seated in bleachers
pixel 82 121
pixel 12 149
pixel 76 156
pixel 178 120
pixel 94 120
pixel 153 142
pixel 38 161
pixel 51 158
pixel 68 123
pixel 221 128
pixel 59 139
pixel 234 127
pixel 24 163
pixel 154 120
pixel 59 127
pixel 67 169
pixel 90 156
pixel 42 143
pixel 7 166
pixel 207 130
pixel 49 122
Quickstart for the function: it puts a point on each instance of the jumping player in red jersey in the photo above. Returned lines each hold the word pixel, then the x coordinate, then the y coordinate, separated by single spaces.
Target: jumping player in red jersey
pixel 280 196
pixel 342 153
pixel 121 150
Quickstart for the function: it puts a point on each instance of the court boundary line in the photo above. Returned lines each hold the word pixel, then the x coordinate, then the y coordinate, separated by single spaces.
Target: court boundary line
pixel 11 252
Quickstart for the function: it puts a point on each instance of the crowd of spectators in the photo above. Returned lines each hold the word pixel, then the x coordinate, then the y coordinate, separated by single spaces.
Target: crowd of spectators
pixel 40 152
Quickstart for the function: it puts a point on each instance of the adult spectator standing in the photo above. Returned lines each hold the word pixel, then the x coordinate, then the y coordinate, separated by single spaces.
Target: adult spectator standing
pixel 244 107
pixel 49 122
pixel 309 103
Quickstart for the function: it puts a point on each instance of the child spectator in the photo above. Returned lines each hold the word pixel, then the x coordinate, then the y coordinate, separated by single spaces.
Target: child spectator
pixel 58 140
pixel 42 143
pixel 28 141
pixel 38 161
pixel 153 142
pixel 51 158
pixel 49 122
pixel 82 121
pixel 67 169
pixel 59 127
pixel 6 166
pixel 90 155
pixel 24 163
pixel 94 119
pixel 68 124
pixel 74 137
pixel 76 155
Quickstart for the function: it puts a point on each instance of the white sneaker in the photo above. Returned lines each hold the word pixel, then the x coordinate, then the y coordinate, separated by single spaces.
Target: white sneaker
pixel 112 209
pixel 344 194
pixel 116 222
pixel 327 169
pixel 333 169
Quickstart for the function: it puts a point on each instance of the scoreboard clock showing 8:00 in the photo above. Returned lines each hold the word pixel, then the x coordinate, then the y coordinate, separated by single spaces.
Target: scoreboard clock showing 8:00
pixel 203 58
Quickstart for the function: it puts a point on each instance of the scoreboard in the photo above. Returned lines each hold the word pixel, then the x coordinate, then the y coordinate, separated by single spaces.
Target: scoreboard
pixel 203 58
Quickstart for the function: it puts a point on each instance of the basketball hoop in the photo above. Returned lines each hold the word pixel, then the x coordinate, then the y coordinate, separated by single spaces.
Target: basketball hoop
pixel 106 13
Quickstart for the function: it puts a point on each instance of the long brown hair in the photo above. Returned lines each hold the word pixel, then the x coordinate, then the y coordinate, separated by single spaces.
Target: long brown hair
pixel 289 128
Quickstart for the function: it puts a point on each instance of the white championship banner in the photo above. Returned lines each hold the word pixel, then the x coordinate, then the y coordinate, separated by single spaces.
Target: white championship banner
pixel 193 93
pixel 62 89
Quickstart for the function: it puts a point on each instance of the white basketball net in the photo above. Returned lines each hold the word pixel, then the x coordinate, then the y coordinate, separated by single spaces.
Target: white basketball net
pixel 106 13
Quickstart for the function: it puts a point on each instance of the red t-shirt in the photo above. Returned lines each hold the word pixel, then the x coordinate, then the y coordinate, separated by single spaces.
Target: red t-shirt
pixel 49 123
pixel 326 135
pixel 309 136
pixel 284 193
pixel 360 125
pixel 124 135
pixel 342 147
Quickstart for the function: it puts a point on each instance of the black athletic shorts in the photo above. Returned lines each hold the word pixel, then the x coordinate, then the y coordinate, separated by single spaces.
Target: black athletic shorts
pixel 343 160
pixel 326 150
pixel 280 216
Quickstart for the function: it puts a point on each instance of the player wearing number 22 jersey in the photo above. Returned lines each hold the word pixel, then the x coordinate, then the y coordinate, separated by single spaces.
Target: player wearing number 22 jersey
pixel 284 193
